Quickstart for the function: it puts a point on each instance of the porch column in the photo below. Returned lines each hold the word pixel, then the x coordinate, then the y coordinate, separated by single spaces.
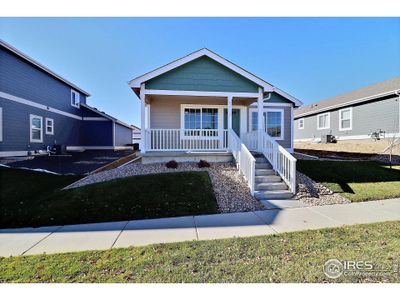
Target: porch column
pixel 143 128
pixel 229 118
pixel 260 117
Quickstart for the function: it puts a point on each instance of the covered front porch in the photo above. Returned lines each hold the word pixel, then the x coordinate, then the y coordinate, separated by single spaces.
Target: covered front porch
pixel 200 122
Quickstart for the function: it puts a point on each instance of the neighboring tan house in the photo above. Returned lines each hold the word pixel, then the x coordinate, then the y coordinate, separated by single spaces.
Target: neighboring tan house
pixel 203 106
pixel 40 109
pixel 352 116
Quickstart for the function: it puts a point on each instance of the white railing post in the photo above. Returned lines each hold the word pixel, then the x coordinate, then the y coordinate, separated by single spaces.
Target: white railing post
pixel 229 118
pixel 143 118
pixel 260 117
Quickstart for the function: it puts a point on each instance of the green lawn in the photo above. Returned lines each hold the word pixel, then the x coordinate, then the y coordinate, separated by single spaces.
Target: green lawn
pixel 35 199
pixel 356 181
pixel 288 257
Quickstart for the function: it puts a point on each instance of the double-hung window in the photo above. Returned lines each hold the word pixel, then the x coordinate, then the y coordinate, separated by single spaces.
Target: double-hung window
pixel 199 120
pixel 75 98
pixel 274 123
pixel 36 129
pixel 323 121
pixel 346 119
pixel 49 126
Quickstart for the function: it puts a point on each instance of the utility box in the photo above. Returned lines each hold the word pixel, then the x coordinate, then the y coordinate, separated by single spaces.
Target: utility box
pixel 328 138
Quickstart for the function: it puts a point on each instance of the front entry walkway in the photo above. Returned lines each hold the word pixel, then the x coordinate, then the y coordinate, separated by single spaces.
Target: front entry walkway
pixel 102 236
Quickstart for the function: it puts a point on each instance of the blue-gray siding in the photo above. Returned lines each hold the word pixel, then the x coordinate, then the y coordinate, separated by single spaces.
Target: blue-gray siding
pixel 16 128
pixel 367 117
pixel 22 79
pixel 97 133
pixel 202 74
pixel 123 135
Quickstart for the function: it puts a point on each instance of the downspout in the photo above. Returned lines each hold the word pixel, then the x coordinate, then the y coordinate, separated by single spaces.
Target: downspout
pixel 265 99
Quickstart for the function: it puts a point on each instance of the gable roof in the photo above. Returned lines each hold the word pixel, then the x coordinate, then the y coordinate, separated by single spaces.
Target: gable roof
pixel 103 114
pixel 367 93
pixel 136 82
pixel 40 66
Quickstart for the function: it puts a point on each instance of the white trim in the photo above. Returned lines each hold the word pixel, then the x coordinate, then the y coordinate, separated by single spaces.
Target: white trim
pixel 75 104
pixel 143 143
pixel 52 126
pixel 95 119
pixel 282 111
pixel 37 105
pixel 346 103
pixel 265 110
pixel 220 107
pixel 82 148
pixel 200 93
pixel 135 83
pixel 267 87
pixel 113 134
pixel 13 153
pixel 346 137
pixel 351 119
pixel 272 104
pixel 31 117
pixel 298 123
pixel 328 121
pixel 1 124
pixel 105 116
pixel 40 66
pixel 291 130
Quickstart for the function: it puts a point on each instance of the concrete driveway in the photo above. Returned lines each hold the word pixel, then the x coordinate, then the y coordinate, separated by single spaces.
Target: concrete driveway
pixel 79 163
pixel 102 236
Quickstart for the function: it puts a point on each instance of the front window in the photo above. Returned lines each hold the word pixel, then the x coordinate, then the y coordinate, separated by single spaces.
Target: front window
pixel 75 98
pixel 274 123
pixel 200 118
pixel 324 121
pixel 345 121
pixel 36 128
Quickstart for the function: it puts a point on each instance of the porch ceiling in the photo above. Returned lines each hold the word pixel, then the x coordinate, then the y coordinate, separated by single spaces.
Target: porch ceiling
pixel 206 100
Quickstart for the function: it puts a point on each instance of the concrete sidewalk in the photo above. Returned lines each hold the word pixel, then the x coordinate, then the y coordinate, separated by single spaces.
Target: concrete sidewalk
pixel 102 236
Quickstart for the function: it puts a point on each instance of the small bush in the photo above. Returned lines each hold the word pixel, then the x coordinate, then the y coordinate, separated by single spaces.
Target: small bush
pixel 172 164
pixel 203 164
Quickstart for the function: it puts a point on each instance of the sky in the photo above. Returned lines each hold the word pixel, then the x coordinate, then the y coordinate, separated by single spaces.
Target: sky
pixel 310 58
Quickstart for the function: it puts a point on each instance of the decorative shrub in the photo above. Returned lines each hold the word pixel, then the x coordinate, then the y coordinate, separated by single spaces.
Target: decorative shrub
pixel 172 164
pixel 203 164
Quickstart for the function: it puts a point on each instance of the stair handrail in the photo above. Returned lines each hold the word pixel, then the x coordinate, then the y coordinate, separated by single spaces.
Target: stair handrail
pixel 281 160
pixel 245 161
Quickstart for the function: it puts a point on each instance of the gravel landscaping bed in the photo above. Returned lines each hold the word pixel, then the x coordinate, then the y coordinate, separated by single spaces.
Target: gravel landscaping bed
pixel 230 188
pixel 313 193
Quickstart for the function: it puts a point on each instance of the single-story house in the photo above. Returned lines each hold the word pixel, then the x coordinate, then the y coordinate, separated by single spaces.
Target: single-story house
pixel 352 116
pixel 203 106
pixel 40 109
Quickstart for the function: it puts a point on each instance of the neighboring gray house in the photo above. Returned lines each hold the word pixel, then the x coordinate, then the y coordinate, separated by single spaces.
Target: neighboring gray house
pixel 40 109
pixel 354 115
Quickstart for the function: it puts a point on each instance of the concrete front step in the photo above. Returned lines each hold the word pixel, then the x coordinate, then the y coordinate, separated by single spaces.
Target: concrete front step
pixel 264 172
pixel 267 195
pixel 263 166
pixel 267 178
pixel 271 186
pixel 261 159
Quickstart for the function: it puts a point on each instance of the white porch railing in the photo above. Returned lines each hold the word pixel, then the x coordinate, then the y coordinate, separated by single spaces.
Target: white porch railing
pixel 281 160
pixel 250 139
pixel 186 139
pixel 245 161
